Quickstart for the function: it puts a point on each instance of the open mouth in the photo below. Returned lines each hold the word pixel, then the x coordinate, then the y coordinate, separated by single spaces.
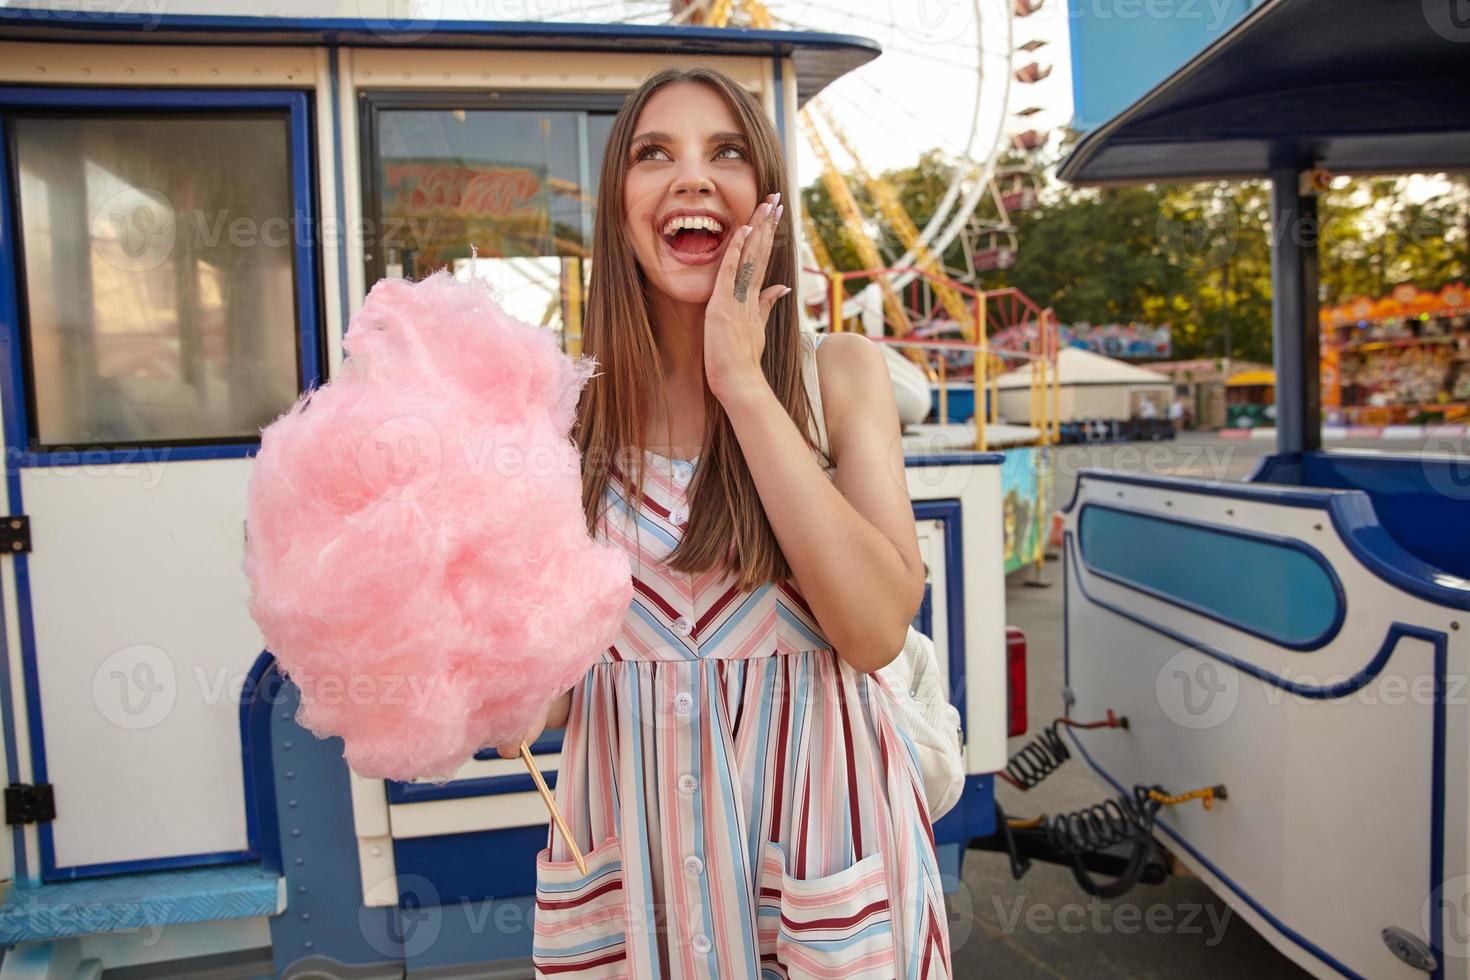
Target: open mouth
pixel 693 238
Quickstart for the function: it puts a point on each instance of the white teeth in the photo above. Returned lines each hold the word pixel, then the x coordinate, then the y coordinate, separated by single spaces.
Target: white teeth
pixel 692 221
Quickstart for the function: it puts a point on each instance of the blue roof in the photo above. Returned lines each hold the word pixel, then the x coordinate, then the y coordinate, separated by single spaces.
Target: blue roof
pixel 819 58
pixel 1373 87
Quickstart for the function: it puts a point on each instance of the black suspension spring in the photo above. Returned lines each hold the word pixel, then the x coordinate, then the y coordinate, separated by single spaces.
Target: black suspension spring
pixel 1038 758
pixel 1045 753
pixel 1121 820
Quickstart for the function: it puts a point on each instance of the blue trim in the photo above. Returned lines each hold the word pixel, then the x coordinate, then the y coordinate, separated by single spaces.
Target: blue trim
pixel 458 789
pixel 13 387
pixel 1396 632
pixel 1335 690
pixel 335 86
pixel 17 431
pixel 955 459
pixel 950 514
pixel 103 905
pixel 1356 522
pixel 1285 496
pixel 9 328
pixel 151 453
pixel 78 872
pixel 305 225
pixel 396 32
pixel 1419 499
pixel 1314 643
pixel 64 97
pixel 258 697
pixel 1352 515
pixel 780 101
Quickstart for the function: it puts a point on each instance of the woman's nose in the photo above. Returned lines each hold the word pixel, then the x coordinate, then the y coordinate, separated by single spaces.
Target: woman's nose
pixel 693 174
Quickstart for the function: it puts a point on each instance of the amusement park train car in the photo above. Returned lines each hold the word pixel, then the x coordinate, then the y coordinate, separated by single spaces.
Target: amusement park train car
pixel 193 206
pixel 1297 643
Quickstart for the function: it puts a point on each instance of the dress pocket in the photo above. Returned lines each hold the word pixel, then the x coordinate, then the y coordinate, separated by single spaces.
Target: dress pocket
pixel 838 925
pixel 581 920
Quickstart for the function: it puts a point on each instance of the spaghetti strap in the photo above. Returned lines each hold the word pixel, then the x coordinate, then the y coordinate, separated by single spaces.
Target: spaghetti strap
pixel 809 344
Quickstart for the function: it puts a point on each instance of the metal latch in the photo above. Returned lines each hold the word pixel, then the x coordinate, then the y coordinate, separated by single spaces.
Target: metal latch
pixel 15 534
pixel 29 803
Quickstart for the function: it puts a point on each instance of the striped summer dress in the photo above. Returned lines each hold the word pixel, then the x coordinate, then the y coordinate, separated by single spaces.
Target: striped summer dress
pixel 745 802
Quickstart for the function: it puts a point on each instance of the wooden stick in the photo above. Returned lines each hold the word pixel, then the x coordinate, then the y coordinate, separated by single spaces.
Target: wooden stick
pixel 561 824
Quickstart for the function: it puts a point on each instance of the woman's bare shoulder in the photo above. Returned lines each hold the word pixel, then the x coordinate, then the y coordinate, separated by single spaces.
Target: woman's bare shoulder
pixel 856 387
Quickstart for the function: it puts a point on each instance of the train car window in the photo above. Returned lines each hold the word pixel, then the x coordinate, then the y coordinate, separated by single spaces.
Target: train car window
pixel 158 283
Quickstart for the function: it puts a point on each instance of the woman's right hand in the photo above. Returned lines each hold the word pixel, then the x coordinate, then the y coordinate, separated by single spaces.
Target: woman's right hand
pixel 555 717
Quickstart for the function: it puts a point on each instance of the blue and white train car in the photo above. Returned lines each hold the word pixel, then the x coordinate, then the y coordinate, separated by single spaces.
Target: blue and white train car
pixel 193 204
pixel 1302 638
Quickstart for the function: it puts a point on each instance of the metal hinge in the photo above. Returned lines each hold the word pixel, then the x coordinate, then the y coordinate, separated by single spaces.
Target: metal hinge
pixel 29 803
pixel 15 534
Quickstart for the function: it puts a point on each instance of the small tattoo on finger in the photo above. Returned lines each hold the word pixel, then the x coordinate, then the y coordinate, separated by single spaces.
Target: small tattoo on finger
pixel 742 279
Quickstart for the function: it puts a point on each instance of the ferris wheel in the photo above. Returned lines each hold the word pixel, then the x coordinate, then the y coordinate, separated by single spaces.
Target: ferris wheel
pixel 949 79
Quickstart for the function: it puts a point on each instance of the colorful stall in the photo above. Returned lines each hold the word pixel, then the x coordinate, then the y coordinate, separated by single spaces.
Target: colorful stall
pixel 1402 359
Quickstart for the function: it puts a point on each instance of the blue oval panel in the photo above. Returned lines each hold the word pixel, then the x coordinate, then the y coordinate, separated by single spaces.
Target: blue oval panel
pixel 1278 589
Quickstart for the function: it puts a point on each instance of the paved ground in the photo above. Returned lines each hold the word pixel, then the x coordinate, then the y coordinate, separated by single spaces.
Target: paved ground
pixel 1044 925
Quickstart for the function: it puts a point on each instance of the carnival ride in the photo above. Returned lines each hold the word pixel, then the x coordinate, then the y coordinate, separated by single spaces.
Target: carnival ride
pixel 166 811
pixel 1291 644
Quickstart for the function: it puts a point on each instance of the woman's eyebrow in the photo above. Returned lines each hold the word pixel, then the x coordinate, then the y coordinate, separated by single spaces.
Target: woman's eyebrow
pixel 714 137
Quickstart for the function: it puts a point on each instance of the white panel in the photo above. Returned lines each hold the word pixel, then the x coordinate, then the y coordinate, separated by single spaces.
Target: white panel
pixel 1330 801
pixel 977 487
pixel 143 644
pixel 473 813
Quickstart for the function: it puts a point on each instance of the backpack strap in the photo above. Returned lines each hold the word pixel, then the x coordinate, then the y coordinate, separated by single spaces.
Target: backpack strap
pixel 809 344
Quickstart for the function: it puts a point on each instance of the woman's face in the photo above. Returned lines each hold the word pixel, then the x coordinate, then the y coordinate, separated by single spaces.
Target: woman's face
pixel 689 166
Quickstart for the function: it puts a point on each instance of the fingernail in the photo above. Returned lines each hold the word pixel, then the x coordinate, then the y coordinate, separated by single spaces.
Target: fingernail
pixel 778 198
pixel 780 211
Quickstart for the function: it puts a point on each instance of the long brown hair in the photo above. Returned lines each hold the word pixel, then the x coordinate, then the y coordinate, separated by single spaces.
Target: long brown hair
pixel 726 520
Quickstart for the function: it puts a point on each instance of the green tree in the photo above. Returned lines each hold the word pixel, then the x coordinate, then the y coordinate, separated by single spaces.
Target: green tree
pixel 1195 256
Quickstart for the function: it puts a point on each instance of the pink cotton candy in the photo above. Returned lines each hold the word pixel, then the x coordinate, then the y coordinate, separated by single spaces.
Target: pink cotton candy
pixel 417 555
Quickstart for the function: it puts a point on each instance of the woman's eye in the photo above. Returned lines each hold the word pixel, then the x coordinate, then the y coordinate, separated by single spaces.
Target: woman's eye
pixel 645 151
pixel 732 146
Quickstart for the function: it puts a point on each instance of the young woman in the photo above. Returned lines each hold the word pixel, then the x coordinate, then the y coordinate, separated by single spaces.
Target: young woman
pixel 731 768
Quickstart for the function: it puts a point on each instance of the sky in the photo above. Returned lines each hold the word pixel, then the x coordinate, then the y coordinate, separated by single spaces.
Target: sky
pixel 925 90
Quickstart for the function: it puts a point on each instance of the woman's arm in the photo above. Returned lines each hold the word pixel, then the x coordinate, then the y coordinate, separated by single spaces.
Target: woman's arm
pixel 850 541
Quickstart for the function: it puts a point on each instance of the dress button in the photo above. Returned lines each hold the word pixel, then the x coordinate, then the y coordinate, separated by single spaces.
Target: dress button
pixel 693 865
pixel 682 472
pixel 688 784
pixel 683 702
pixel 679 516
pixel 683 626
pixel 701 944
